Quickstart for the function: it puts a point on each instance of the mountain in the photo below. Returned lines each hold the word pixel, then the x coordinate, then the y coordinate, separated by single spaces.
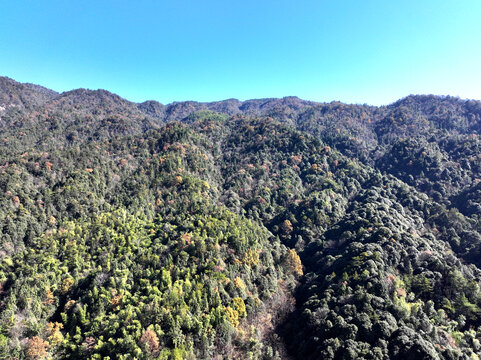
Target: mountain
pixel 14 94
pixel 262 229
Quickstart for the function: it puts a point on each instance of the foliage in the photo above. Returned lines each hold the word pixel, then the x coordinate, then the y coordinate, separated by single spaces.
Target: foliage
pixel 263 229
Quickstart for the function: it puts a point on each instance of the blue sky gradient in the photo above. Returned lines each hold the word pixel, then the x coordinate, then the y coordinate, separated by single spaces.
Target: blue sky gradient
pixel 366 51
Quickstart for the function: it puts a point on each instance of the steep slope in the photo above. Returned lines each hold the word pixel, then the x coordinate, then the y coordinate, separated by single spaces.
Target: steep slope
pixel 162 198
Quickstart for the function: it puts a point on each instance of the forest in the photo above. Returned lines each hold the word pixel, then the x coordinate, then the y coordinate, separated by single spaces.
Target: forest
pixel 262 229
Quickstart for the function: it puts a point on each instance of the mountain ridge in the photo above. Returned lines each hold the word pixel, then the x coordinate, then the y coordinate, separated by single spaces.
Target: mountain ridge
pixel 242 103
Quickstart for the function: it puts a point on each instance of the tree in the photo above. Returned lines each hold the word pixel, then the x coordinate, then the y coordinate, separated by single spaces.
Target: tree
pixel 294 263
pixel 37 348
pixel 52 330
pixel 287 227
pixel 150 342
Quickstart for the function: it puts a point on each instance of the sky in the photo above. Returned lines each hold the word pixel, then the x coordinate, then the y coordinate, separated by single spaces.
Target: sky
pixel 354 51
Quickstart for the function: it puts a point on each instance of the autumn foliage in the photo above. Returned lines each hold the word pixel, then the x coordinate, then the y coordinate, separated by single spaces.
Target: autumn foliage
pixel 37 348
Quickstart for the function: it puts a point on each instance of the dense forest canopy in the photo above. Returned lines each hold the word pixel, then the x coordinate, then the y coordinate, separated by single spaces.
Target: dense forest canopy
pixel 263 229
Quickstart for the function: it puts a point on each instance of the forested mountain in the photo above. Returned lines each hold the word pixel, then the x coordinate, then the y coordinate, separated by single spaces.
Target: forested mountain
pixel 263 229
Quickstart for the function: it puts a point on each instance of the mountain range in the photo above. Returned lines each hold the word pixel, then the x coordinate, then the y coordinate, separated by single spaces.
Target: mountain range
pixel 258 229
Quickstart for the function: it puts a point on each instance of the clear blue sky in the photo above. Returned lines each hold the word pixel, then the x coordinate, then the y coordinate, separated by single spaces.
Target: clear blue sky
pixel 357 51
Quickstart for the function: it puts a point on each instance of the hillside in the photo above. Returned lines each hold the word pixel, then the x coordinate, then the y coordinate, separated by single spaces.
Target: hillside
pixel 262 229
